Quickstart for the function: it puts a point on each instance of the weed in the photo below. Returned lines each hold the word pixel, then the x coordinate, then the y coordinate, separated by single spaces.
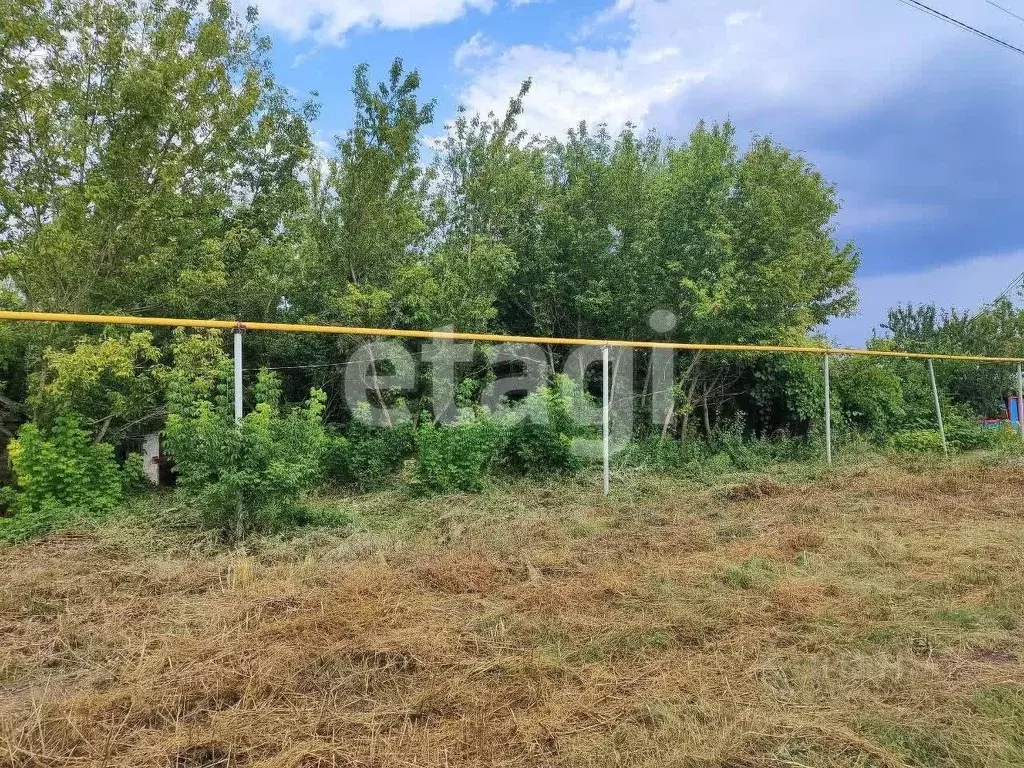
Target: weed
pixel 753 573
pixel 961 617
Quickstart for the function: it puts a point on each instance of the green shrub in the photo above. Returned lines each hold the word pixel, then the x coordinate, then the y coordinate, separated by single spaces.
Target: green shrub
pixel 536 448
pixel 1005 439
pixel 63 467
pixel 692 458
pixel 753 454
pixel 916 441
pixel 249 475
pixel 964 431
pixel 787 389
pixel 455 457
pixel 367 456
pixel 869 395
pixel 113 383
pixel 655 453
pixel 61 475
pixel 133 474
pixel 544 426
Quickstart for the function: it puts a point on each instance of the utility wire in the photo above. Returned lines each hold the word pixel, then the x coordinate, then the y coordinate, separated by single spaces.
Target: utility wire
pixel 1005 10
pixel 956 22
pixel 296 367
pixel 1006 291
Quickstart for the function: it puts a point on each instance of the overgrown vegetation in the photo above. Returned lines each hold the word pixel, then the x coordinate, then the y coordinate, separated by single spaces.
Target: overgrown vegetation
pixel 150 163
pixel 248 475
pixel 318 588
pixel 61 475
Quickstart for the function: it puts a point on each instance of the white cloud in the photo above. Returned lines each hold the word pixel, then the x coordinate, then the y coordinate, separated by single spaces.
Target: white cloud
pixel 965 285
pixel 599 86
pixel 475 47
pixel 328 21
pixel 687 59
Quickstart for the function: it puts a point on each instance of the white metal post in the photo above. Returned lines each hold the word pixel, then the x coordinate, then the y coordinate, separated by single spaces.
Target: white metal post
pixel 1020 401
pixel 828 415
pixel 238 375
pixel 605 417
pixel 938 406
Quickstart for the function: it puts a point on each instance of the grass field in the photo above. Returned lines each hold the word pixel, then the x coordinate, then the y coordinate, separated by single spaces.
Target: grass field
pixel 866 617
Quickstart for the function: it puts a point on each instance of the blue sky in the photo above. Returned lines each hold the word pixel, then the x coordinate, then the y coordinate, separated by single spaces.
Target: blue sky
pixel 919 124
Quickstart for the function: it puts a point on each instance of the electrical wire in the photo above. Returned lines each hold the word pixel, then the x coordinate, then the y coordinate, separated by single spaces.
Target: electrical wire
pixel 917 5
pixel 1006 291
pixel 297 367
pixel 1005 10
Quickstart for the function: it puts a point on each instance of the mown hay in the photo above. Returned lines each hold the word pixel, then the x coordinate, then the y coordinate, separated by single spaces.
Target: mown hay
pixel 871 620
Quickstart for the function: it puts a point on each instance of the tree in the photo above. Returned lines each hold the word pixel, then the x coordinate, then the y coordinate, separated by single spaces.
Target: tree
pixel 995 331
pixel 749 250
pixel 147 153
pixel 115 384
pixel 248 475
pixel 366 220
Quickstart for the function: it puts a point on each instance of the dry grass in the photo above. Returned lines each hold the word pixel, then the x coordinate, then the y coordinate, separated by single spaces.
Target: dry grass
pixel 867 619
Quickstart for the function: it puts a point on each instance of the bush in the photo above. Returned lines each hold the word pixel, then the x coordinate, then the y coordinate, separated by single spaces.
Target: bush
pixel 250 475
pixel 869 394
pixel 545 425
pixel 916 441
pixel 113 383
pixel 755 453
pixel 964 431
pixel 367 456
pixel 61 475
pixel 788 390
pixel 456 457
pixel 664 453
pixel 63 467
pixel 1006 439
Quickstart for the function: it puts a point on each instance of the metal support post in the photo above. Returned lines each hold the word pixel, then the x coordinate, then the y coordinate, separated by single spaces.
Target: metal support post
pixel 1020 401
pixel 238 375
pixel 828 415
pixel 938 407
pixel 605 417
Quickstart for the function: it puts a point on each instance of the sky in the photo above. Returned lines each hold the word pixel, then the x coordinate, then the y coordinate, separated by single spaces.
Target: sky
pixel 919 124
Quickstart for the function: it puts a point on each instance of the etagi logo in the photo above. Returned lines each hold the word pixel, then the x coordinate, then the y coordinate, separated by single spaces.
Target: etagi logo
pixel 380 374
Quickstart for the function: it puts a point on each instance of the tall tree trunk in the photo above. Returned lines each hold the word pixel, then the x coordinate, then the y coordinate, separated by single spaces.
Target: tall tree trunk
pixel 689 396
pixel 376 389
pixel 688 411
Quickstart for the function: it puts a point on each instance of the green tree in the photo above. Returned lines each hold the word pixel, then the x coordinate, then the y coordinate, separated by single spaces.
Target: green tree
pixel 995 331
pixel 366 220
pixel 147 153
pixel 115 384
pixel 749 252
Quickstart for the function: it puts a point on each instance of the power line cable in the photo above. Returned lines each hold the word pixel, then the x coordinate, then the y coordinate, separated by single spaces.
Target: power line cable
pixel 1006 291
pixel 917 5
pixel 1005 10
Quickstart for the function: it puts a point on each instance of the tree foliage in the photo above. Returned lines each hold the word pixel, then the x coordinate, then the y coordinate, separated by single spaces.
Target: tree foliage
pixel 151 164
pixel 149 159
pixel 248 475
pixel 61 475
